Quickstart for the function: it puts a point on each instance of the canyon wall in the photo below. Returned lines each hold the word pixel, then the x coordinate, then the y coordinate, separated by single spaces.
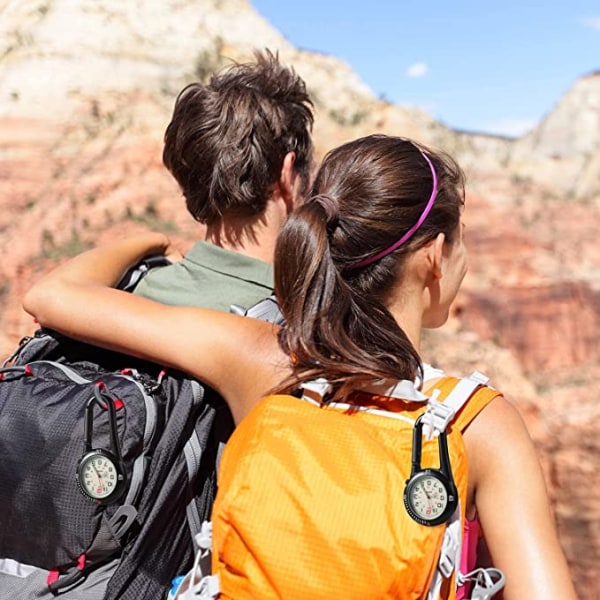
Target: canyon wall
pixel 86 92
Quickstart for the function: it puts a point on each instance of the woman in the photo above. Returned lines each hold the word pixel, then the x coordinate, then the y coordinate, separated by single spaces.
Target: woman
pixel 375 256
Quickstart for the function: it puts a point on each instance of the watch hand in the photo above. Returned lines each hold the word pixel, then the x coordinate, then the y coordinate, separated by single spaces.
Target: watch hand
pixel 99 476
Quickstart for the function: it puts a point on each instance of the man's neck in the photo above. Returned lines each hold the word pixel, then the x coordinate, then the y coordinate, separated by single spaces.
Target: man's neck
pixel 262 248
pixel 254 236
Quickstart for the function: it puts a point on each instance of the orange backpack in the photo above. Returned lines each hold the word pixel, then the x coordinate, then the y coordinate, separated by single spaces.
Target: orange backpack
pixel 310 501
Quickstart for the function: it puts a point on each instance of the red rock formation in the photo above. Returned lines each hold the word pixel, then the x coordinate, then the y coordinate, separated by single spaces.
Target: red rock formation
pixel 80 163
pixel 547 327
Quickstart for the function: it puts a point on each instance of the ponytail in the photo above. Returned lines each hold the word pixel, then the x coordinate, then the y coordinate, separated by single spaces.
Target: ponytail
pixel 341 255
pixel 333 330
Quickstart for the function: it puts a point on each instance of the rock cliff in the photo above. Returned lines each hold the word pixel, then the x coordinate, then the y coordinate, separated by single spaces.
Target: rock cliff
pixel 86 90
pixel 563 151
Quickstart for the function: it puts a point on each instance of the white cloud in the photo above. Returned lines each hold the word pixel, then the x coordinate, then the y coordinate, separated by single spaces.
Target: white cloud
pixel 592 22
pixel 418 69
pixel 508 127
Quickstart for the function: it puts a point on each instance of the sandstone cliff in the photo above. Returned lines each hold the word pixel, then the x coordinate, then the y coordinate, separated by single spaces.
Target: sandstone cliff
pixel 563 152
pixel 86 90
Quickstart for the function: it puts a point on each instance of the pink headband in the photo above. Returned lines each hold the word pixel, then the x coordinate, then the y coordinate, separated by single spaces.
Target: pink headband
pixel 413 229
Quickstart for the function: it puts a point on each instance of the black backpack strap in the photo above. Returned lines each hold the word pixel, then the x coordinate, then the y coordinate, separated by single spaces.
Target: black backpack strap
pixel 136 273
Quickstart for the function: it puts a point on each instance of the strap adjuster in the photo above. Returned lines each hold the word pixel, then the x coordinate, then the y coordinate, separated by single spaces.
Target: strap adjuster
pixel 479 377
pixel 204 537
pixel 446 566
pixel 318 387
pixel 437 416
pixel 449 552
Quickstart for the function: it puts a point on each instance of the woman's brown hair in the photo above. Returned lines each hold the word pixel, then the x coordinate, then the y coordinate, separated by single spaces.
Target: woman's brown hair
pixel 366 195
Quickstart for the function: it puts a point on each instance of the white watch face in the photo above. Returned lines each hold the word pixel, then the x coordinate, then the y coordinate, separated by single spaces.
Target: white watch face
pixel 428 498
pixel 98 476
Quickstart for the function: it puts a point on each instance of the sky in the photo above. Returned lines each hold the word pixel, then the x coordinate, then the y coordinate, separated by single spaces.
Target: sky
pixel 476 65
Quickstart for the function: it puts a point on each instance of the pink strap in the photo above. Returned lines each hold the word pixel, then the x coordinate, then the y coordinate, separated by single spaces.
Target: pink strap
pixel 468 557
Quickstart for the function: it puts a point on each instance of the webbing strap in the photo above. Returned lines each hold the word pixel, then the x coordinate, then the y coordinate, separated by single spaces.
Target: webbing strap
pixel 139 465
pixel 403 389
pixel 436 418
pixel 266 309
pixel 193 453
pixel 449 554
pixel 196 585
pixel 317 389
pixel 439 414
pixel 13 568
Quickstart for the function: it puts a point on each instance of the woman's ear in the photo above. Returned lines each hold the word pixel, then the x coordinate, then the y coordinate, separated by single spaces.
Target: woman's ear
pixel 436 255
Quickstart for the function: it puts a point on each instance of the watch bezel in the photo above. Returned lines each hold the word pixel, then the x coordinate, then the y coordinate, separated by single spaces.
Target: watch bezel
pixel 120 481
pixel 451 495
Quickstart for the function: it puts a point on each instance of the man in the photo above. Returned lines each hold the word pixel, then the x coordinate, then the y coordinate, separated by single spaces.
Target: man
pixel 240 149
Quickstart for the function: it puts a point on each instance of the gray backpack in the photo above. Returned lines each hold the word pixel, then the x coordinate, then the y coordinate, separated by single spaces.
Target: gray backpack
pixel 108 469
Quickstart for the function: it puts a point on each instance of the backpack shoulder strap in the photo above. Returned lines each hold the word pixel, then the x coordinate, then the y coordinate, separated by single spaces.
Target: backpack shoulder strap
pixel 449 402
pixel 132 277
pixel 480 399
pixel 266 309
pixel 457 401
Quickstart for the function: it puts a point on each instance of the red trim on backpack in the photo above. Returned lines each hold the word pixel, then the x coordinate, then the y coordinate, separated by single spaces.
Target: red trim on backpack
pixel 118 403
pixel 52 576
pixel 28 370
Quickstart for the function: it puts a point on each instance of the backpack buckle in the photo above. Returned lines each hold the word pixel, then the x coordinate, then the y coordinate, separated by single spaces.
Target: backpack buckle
pixel 204 537
pixel 437 416
pixel 316 390
pixel 446 566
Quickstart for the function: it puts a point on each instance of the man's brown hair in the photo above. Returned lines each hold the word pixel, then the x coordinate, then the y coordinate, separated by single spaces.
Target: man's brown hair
pixel 227 140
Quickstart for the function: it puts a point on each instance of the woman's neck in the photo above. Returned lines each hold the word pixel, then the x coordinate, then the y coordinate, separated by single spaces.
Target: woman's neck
pixel 410 319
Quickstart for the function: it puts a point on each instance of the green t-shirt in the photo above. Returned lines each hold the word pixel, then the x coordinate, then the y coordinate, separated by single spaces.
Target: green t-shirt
pixel 209 277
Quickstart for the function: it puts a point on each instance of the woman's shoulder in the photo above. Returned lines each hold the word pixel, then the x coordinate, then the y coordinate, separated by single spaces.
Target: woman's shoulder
pixel 497 440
